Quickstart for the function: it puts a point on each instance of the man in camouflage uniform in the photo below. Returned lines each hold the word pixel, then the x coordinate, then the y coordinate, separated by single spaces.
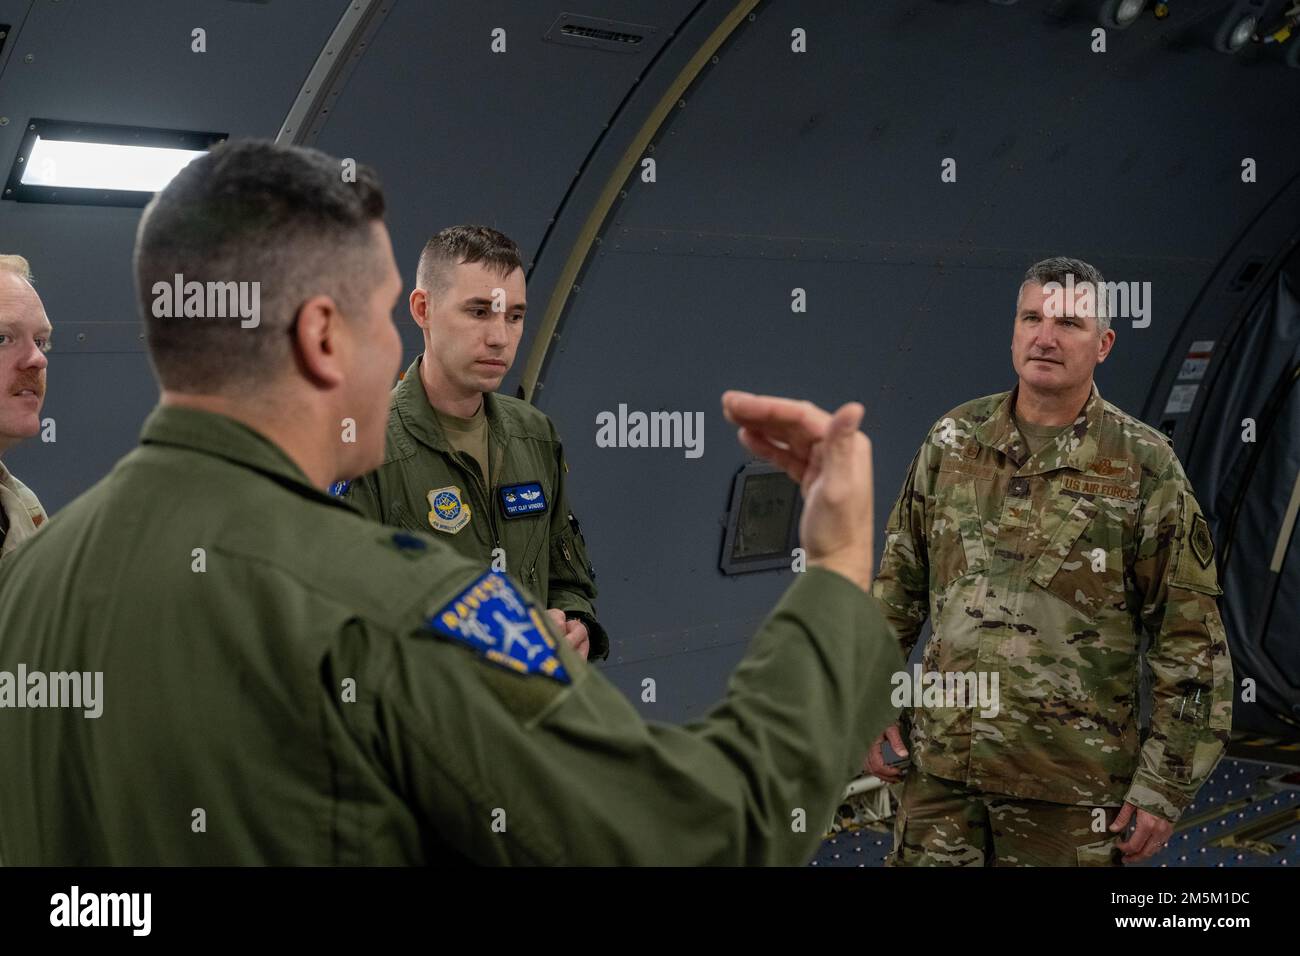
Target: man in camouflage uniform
pixel 1043 531
pixel 24 340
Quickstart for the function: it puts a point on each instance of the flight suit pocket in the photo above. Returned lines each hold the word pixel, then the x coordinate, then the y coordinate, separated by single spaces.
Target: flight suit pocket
pixel 1073 566
pixel 403 518
pixel 569 552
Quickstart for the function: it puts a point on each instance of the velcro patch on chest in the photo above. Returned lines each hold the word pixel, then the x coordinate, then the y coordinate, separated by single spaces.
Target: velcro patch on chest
pixel 959 466
pixel 1087 485
pixel 1110 467
pixel 448 509
pixel 517 501
pixel 491 618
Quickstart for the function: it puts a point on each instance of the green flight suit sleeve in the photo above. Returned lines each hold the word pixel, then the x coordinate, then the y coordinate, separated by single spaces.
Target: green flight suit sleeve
pixel 1192 683
pixel 363 494
pixel 511 768
pixel 903 582
pixel 571 586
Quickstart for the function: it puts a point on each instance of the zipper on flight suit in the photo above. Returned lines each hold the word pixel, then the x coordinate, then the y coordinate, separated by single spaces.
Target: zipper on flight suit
pixel 470 467
pixel 564 550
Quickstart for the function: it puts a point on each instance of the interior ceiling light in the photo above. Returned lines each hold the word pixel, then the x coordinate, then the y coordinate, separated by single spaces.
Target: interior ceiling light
pixel 1241 33
pixel 1121 14
pixel 1129 10
pixel 98 164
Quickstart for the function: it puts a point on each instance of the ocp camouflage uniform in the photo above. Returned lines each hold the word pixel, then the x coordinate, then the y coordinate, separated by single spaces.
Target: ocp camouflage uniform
pixel 21 513
pixel 1046 570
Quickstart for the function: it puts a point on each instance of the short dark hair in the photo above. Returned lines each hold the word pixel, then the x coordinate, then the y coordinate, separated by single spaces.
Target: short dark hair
pixel 464 244
pixel 1057 268
pixel 254 211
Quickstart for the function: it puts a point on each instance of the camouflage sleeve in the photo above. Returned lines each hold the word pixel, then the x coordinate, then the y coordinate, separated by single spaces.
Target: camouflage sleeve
pixel 1191 674
pixel 902 583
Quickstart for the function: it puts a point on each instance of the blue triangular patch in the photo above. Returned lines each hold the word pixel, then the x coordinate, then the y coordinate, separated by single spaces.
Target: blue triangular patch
pixel 492 618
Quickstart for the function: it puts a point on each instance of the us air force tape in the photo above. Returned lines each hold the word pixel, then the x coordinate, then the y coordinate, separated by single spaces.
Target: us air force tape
pixel 491 618
pixel 524 499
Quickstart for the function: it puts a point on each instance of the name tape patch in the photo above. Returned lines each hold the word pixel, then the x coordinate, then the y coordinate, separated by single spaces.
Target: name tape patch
pixel 525 499
pixel 1107 489
pixel 491 618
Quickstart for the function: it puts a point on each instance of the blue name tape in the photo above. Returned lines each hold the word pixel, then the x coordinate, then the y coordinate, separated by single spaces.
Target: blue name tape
pixel 525 499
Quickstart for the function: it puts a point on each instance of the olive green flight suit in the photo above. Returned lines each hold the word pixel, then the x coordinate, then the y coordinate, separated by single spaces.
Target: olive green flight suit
pixel 426 485
pixel 287 682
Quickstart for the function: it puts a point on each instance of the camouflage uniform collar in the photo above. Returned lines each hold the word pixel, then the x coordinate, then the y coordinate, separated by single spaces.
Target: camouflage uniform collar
pixel 418 418
pixel 1076 449
pixel 23 512
pixel 25 494
pixel 223 437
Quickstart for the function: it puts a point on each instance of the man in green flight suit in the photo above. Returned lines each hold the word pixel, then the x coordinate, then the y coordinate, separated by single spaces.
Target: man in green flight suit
pixel 241 669
pixel 1043 531
pixel 486 472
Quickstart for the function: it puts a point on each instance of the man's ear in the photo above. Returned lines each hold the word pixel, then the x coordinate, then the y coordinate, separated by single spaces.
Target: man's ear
pixel 1107 343
pixel 319 341
pixel 419 304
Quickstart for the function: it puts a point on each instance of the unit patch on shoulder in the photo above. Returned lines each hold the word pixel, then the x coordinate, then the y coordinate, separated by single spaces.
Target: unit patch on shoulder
pixel 448 510
pixel 1201 542
pixel 525 499
pixel 492 618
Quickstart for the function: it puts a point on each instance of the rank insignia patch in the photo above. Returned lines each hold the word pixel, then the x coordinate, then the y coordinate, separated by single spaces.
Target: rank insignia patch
pixel 340 488
pixel 407 542
pixel 492 618
pixel 525 499
pixel 449 511
pixel 1200 540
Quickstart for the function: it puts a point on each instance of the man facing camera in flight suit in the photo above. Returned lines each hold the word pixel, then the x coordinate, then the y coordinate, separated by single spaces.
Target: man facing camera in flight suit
pixel 1043 531
pixel 485 472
